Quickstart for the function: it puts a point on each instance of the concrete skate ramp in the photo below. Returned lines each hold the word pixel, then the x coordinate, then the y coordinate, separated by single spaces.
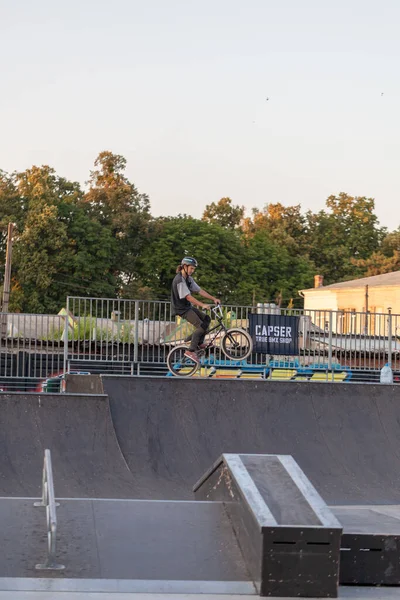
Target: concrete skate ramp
pixel 346 437
pixel 87 461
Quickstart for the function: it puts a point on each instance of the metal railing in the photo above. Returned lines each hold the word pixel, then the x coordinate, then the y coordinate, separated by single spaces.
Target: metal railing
pixel 131 337
pixel 48 501
pixel 30 351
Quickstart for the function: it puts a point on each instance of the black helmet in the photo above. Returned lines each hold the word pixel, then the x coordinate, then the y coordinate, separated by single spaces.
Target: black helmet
pixel 189 260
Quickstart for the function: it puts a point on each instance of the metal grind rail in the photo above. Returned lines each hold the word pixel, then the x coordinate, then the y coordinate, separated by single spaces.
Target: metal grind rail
pixel 48 501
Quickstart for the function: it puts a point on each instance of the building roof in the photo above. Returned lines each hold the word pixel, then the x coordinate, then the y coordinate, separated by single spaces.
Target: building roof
pixel 385 280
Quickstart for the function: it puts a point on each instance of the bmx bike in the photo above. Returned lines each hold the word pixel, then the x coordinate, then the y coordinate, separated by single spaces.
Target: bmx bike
pixel 235 343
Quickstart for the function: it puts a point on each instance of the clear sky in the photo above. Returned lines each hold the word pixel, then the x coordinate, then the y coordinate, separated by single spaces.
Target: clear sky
pixel 179 87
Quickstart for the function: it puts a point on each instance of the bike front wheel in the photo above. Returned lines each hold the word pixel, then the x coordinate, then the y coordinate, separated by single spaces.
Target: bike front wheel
pixel 179 364
pixel 236 344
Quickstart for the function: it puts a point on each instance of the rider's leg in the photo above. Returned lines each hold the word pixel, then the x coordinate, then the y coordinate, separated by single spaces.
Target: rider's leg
pixel 206 319
pixel 201 322
pixel 206 324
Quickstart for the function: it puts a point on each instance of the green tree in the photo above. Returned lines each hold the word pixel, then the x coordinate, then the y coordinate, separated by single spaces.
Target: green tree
pixel 272 272
pixel 39 253
pixel 348 231
pixel 391 243
pixel 231 267
pixel 10 209
pixel 285 225
pixel 385 260
pixel 378 263
pixel 224 213
pixel 218 251
pixel 115 203
pixel 59 250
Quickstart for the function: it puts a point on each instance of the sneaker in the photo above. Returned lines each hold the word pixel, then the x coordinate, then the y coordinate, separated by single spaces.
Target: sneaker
pixel 193 356
pixel 205 346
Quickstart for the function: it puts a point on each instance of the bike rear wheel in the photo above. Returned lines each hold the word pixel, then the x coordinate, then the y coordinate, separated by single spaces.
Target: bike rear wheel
pixel 237 344
pixel 179 364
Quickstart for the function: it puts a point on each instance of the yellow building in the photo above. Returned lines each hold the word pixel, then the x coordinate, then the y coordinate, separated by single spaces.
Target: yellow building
pixel 374 295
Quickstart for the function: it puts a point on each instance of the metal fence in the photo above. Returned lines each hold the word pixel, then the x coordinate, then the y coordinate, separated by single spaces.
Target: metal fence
pixel 31 350
pixel 133 337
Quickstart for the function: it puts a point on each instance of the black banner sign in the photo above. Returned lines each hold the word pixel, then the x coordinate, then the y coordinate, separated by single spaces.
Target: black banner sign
pixel 275 334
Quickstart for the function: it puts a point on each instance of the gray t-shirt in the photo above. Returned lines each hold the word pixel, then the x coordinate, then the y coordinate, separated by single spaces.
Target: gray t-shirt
pixel 182 287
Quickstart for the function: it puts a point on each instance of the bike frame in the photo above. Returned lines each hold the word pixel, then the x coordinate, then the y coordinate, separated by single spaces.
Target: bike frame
pixel 217 310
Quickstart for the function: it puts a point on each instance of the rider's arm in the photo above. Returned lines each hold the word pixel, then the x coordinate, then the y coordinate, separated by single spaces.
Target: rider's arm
pixel 207 295
pixel 193 300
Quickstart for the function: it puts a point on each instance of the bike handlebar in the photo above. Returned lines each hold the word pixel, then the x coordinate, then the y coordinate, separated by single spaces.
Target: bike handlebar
pixel 217 310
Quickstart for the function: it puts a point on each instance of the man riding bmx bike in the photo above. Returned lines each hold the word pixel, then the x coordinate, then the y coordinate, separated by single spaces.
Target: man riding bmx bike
pixel 184 304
